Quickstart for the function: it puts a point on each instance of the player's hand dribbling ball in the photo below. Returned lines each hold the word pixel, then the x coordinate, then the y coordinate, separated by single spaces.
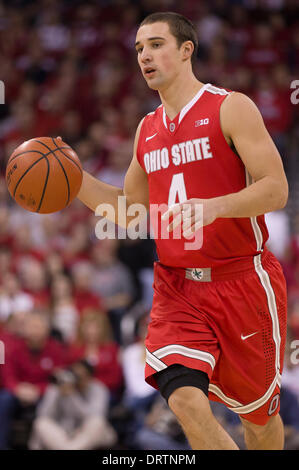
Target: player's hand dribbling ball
pixel 44 175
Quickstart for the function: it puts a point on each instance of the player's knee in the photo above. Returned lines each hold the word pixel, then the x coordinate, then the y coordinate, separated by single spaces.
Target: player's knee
pixel 184 389
pixel 187 402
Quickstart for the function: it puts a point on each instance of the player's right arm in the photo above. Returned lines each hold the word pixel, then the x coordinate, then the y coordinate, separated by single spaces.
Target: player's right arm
pixel 94 192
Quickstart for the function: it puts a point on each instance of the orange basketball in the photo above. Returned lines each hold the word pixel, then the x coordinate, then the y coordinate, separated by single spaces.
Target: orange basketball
pixel 44 175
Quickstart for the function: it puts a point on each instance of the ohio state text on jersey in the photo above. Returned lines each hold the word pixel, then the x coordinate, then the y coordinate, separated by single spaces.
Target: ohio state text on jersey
pixel 190 158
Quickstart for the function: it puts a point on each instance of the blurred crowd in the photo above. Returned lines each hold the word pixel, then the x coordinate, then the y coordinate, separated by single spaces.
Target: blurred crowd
pixel 73 308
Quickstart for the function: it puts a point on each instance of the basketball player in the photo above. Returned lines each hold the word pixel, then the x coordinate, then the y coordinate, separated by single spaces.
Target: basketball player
pixel 218 317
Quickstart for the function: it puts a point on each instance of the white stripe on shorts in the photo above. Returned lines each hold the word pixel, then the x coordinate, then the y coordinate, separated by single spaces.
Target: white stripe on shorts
pixel 250 407
pixel 184 351
pixel 153 361
pixel 229 401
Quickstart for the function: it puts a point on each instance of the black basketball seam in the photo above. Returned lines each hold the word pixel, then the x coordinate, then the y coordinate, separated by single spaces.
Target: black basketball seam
pixel 67 156
pixel 45 185
pixel 66 177
pixel 62 167
pixel 25 172
pixel 30 151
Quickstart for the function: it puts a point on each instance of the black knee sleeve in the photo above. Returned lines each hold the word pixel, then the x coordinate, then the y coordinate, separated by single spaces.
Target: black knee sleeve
pixel 176 376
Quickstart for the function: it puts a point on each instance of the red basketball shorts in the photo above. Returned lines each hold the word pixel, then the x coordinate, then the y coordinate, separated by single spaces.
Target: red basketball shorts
pixel 233 328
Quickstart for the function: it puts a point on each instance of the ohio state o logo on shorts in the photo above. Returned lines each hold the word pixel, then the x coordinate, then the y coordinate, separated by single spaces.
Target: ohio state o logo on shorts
pixel 197 274
pixel 273 404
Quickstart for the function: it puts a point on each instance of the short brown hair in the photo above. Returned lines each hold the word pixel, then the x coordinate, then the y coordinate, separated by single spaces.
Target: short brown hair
pixel 99 319
pixel 180 27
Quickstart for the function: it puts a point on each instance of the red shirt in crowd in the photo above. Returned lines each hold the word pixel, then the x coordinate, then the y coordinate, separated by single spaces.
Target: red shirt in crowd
pixel 34 367
pixel 105 361
pixel 8 343
pixel 86 300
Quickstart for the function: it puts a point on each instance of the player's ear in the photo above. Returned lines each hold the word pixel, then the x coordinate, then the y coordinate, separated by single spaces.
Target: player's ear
pixel 187 49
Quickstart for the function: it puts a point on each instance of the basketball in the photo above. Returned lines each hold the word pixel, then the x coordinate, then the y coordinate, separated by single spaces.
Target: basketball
pixel 44 175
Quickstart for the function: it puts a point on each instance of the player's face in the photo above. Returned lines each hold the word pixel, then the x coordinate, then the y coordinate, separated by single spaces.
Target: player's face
pixel 158 55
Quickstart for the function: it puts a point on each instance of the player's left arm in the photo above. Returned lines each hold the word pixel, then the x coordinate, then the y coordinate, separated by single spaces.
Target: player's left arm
pixel 242 122
pixel 243 125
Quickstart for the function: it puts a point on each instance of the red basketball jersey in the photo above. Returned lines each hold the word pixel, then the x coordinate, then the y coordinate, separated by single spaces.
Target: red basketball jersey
pixel 190 158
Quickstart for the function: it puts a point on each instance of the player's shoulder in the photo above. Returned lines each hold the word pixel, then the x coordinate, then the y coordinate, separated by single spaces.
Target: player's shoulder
pixel 239 104
pixel 233 97
pixel 239 113
pixel 150 117
pixel 150 121
pixel 153 115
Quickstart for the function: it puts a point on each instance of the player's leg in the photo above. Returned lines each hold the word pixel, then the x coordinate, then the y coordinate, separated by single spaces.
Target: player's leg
pixel 186 392
pixel 267 437
pixel 192 409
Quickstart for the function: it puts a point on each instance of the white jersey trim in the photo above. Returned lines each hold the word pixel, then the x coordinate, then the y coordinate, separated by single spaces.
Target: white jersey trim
pixel 217 91
pixel 188 106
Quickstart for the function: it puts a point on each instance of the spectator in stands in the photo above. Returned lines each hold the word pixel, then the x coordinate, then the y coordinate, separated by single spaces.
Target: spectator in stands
pixel 6 236
pixel 77 245
pixel 33 277
pixel 289 412
pixel 112 281
pixel 119 159
pixel 12 298
pixel 95 344
pixel 263 53
pixel 278 224
pixel 9 337
pixel 290 374
pixel 54 265
pixel 72 414
pixel 26 372
pixel 138 395
pixel 65 317
pixel 161 430
pixel 24 246
pixel 5 261
pixel 82 275
pixel 275 107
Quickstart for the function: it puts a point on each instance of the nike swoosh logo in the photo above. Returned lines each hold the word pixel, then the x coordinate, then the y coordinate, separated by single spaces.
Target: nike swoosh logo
pixel 248 336
pixel 151 137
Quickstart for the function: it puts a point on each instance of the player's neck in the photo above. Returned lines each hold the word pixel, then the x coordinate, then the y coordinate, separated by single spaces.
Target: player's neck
pixel 175 96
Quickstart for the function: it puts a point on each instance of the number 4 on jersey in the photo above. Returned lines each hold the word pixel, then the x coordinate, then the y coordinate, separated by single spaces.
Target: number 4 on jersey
pixel 177 190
